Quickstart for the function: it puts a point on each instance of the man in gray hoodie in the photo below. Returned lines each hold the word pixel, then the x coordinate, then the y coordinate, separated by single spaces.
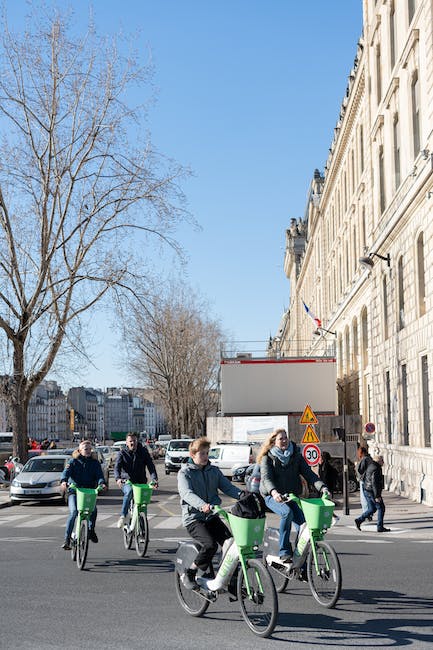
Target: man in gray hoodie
pixel 198 485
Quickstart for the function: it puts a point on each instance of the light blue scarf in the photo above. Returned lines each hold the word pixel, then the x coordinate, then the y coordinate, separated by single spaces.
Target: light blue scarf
pixel 283 456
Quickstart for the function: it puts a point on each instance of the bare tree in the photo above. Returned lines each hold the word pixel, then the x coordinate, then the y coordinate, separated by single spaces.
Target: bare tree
pixel 78 178
pixel 176 349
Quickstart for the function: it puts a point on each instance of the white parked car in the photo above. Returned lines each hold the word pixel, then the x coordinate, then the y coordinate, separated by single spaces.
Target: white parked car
pixel 177 451
pixel 39 479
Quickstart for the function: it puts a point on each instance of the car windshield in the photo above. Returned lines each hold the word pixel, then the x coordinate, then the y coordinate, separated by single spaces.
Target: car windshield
pixel 41 464
pixel 214 453
pixel 179 445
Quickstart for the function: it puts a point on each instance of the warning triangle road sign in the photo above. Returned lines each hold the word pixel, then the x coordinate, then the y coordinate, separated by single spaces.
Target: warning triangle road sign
pixel 308 416
pixel 309 436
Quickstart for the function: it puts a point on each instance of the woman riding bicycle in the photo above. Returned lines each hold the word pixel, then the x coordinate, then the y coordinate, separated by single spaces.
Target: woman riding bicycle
pixel 282 466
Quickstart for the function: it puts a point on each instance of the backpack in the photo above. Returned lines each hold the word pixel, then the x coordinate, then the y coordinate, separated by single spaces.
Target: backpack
pixel 250 506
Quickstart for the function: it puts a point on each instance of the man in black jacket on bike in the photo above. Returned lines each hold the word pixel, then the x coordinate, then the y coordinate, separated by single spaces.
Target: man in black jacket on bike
pixel 131 464
pixel 373 486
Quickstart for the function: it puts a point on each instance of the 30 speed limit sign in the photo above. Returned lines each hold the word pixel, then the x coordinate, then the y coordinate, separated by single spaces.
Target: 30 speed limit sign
pixel 311 454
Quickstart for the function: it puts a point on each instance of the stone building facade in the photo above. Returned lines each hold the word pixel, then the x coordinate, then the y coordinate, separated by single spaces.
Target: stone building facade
pixel 360 257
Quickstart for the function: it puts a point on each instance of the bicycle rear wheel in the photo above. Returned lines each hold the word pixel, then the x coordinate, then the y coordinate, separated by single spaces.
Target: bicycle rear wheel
pixel 260 609
pixel 83 544
pixel 325 584
pixel 190 599
pixel 141 534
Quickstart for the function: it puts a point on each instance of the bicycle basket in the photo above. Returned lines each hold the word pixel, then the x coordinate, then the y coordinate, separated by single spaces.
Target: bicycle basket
pixel 86 499
pixel 318 513
pixel 247 532
pixel 142 493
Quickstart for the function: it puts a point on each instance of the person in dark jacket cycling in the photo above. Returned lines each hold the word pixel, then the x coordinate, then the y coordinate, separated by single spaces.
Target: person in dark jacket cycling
pixel 131 464
pixel 281 466
pixel 86 472
pixel 373 486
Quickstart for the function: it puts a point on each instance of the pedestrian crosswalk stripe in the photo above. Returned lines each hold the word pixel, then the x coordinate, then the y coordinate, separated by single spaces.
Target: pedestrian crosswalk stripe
pixel 170 522
pixel 40 521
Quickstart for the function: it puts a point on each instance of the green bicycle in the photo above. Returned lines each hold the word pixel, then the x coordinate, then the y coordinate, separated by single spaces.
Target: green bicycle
pixel 240 573
pixel 86 502
pixel 138 528
pixel 314 559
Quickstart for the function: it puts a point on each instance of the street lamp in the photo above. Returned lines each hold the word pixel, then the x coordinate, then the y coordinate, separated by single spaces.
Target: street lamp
pixel 367 262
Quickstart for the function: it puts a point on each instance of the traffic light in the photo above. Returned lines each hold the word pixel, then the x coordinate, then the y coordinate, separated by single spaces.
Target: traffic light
pixel 340 433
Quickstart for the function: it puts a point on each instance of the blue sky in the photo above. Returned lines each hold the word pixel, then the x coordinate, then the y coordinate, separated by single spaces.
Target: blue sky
pixel 249 92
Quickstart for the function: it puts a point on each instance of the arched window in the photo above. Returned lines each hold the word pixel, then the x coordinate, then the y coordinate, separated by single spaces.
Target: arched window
pixel 355 344
pixel 420 273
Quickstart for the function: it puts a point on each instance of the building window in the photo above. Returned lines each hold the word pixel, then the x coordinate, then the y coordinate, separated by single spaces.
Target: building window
pixel 363 230
pixel 425 401
pixel 392 34
pixel 378 75
pixel 364 335
pixel 416 136
pixel 397 146
pixel 400 294
pixel 405 409
pixel 388 407
pixel 355 344
pixel 381 181
pixel 361 148
pixel 421 273
pixel 385 307
pixel 411 6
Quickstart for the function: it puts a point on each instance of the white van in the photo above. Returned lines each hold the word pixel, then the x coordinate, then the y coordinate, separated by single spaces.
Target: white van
pixel 177 450
pixel 230 456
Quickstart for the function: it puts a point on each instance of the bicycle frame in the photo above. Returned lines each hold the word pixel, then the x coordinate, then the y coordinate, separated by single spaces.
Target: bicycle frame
pixel 137 509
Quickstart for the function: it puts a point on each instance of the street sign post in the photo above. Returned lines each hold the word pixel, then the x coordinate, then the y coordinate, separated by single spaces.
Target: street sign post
pixel 311 454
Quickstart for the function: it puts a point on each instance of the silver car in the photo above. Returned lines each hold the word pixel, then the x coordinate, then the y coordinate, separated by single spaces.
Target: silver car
pixel 39 480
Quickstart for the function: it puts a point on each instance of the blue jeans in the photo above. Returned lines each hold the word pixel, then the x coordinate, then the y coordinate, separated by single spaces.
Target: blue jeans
pixel 372 507
pixel 73 512
pixel 288 512
pixel 127 498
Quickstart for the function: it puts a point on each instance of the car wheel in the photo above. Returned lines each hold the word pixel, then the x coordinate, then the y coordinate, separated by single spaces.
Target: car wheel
pixel 352 485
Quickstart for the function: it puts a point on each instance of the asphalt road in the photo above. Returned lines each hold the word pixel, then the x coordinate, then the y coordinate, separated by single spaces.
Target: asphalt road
pixel 122 601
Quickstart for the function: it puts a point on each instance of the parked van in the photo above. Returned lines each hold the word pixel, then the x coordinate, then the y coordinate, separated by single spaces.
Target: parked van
pixel 177 450
pixel 230 456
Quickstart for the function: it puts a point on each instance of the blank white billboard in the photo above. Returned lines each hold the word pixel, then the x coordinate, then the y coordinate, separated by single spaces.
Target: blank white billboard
pixel 278 387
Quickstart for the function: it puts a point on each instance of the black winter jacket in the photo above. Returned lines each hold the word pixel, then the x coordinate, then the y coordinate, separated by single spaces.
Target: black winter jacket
pixel 373 479
pixel 132 465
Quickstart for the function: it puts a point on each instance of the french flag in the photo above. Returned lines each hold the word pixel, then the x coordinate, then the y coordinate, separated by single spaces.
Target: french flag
pixel 314 318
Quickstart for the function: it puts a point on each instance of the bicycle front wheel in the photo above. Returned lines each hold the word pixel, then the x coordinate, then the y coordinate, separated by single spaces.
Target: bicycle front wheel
pixel 190 599
pixel 141 535
pixel 83 544
pixel 260 608
pixel 325 582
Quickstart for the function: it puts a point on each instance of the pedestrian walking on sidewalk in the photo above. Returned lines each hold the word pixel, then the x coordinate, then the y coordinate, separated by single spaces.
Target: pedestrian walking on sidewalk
pixel 373 486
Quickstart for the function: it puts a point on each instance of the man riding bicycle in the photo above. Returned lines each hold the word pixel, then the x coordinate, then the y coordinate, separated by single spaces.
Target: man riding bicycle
pixel 86 472
pixel 131 464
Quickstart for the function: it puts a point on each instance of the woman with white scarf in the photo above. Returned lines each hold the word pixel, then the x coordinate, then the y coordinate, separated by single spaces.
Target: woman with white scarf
pixel 282 466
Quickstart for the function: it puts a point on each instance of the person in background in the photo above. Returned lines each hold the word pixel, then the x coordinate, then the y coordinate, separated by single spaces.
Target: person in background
pixel 364 459
pixel 282 467
pixel 327 472
pixel 373 486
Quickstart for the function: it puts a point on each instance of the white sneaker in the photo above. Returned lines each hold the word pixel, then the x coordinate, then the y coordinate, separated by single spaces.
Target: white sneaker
pixel 121 522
